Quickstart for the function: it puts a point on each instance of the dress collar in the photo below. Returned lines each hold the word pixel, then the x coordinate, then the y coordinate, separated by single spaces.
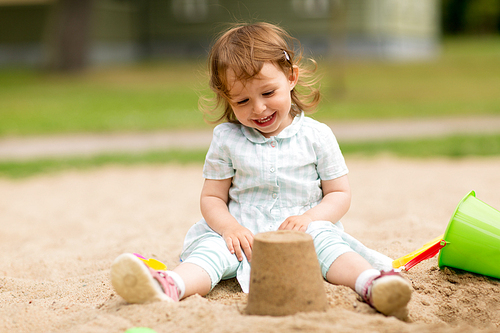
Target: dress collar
pixel 256 137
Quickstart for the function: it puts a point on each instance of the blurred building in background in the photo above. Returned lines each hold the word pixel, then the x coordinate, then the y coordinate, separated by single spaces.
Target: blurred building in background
pixel 69 34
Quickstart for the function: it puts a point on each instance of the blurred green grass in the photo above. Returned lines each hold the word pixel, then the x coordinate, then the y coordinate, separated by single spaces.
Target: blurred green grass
pixel 464 80
pixel 140 97
pixel 23 169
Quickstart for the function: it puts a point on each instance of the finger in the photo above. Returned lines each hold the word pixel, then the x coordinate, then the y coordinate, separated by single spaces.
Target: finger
pixel 283 226
pixel 237 250
pixel 250 240
pixel 247 249
pixel 248 254
pixel 229 243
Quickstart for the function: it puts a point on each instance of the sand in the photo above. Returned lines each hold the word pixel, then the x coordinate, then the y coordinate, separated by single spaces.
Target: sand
pixel 59 234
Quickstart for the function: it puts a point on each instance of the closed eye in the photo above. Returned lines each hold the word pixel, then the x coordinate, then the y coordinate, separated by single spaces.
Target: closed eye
pixel 242 101
pixel 269 93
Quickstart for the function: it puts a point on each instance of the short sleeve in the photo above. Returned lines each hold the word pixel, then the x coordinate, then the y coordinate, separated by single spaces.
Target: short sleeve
pixel 331 162
pixel 218 163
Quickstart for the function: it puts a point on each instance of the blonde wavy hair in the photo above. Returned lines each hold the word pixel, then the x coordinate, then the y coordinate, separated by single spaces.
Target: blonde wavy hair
pixel 245 48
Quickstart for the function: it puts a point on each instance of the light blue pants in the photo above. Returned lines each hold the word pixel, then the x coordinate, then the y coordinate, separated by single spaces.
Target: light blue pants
pixel 330 241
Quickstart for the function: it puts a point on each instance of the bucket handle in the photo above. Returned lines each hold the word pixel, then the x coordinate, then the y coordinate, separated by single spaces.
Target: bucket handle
pixel 427 254
pixel 427 251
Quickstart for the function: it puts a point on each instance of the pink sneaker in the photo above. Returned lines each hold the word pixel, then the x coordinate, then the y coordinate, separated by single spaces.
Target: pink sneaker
pixel 135 282
pixel 388 293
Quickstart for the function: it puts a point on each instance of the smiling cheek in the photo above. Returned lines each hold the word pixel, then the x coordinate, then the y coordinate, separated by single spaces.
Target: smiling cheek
pixel 242 115
pixel 283 104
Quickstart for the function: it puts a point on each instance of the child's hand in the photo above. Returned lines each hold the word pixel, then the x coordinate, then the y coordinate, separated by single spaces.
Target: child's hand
pixel 297 222
pixel 239 240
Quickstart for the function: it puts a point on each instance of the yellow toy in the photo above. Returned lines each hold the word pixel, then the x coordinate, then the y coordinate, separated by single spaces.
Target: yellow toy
pixel 153 263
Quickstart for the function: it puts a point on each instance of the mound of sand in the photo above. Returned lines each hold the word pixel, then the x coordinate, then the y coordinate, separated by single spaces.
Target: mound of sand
pixel 59 234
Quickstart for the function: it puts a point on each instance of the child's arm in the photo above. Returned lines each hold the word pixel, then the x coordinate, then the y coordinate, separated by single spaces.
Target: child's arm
pixel 335 203
pixel 213 203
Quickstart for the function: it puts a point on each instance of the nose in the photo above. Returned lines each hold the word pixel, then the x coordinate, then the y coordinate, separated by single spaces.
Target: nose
pixel 259 106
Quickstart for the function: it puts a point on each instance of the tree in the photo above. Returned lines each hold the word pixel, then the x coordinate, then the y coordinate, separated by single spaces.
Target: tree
pixel 69 35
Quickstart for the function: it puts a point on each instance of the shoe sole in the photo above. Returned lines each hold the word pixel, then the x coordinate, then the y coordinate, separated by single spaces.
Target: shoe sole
pixel 132 280
pixel 390 295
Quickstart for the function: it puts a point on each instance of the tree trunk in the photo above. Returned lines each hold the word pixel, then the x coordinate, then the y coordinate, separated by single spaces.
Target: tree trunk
pixel 69 35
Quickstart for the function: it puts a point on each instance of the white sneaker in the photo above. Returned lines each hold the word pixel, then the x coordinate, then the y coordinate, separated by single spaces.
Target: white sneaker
pixel 135 282
pixel 388 293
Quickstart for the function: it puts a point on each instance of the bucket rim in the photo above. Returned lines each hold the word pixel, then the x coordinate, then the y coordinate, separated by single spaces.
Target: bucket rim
pixel 470 194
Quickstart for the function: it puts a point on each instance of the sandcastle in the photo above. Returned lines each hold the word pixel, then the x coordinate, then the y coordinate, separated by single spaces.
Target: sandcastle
pixel 285 276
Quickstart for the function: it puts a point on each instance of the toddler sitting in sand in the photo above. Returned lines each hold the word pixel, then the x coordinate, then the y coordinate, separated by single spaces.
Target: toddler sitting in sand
pixel 269 167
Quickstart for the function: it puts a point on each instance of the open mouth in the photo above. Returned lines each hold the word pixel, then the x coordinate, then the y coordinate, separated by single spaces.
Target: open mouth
pixel 266 121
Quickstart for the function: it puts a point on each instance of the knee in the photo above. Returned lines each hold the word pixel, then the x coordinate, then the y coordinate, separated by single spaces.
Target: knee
pixel 215 259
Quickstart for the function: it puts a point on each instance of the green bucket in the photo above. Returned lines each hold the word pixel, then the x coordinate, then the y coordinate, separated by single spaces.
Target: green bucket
pixel 473 238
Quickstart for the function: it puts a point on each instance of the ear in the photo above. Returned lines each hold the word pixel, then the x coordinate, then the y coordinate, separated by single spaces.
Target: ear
pixel 293 78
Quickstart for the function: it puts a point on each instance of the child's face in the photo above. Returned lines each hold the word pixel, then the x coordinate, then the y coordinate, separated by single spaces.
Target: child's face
pixel 264 101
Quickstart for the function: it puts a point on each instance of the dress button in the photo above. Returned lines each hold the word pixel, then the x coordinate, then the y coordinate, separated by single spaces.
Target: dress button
pixel 272 169
pixel 275 195
pixel 273 144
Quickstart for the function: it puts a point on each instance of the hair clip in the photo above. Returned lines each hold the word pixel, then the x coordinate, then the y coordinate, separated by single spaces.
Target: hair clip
pixel 287 57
